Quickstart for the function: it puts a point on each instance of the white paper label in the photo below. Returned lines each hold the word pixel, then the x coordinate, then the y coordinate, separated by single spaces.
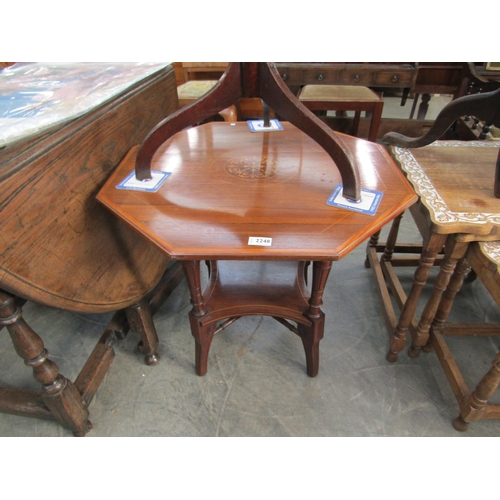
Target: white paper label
pixel 259 241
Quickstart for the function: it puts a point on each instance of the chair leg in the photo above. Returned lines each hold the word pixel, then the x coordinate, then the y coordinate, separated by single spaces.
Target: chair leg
pixel 59 394
pixel 140 320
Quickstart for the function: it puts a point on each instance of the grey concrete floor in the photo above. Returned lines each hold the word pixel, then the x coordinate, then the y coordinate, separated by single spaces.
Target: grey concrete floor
pixel 256 383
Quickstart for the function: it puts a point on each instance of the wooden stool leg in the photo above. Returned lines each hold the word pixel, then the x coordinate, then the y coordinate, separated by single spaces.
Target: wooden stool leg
pixel 375 121
pixel 313 334
pixel 453 253
pixel 140 320
pixel 355 123
pixel 446 303
pixel 426 261
pixel 474 408
pixel 59 395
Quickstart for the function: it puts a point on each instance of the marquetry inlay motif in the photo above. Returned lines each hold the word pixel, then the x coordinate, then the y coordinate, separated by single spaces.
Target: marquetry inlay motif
pixel 247 167
pixel 426 190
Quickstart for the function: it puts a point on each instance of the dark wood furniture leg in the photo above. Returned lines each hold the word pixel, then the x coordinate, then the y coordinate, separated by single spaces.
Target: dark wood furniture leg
pixel 311 335
pixel 310 319
pixel 203 334
pixel 355 123
pixel 140 320
pixel 375 121
pixel 60 396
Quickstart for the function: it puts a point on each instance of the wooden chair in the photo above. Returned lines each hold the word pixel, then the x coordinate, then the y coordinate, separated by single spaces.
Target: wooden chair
pixel 484 258
pixel 434 218
pixel 345 98
pixel 62 249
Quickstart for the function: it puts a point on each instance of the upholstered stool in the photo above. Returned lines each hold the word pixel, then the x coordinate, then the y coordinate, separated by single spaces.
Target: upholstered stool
pixel 345 98
pixel 484 258
pixel 191 91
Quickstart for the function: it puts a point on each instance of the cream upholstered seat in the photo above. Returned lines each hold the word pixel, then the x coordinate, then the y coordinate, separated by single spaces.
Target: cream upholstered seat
pixel 191 91
pixel 345 98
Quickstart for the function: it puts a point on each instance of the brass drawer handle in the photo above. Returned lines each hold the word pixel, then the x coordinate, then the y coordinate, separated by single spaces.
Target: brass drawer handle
pixel 356 78
pixel 395 78
pixel 320 77
pixel 284 76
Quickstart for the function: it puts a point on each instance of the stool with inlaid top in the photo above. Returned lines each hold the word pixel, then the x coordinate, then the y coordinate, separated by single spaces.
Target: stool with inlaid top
pixel 458 184
pixel 454 181
pixel 484 259
pixel 345 98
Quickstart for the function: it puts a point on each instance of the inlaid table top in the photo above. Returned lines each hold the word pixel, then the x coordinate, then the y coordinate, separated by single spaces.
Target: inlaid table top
pixel 455 182
pixel 228 184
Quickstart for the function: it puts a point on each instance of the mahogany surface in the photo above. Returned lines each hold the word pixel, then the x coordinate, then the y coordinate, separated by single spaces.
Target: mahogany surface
pixel 228 184
pixel 250 80
pixel 61 248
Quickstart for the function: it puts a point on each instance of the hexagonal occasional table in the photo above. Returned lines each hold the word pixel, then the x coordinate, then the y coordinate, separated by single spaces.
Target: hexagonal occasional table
pixel 253 206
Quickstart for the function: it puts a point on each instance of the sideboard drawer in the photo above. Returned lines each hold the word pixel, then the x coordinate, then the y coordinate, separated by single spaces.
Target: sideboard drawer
pixel 393 78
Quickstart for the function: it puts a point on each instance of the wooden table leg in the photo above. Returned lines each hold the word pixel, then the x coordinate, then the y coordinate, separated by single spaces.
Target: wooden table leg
pixel 454 286
pixel 311 335
pixel 59 394
pixel 454 251
pixel 429 253
pixel 140 319
pixel 474 407
pixel 203 334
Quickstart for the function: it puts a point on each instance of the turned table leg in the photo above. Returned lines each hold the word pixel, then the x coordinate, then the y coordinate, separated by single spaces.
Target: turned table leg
pixel 426 261
pixel 203 334
pixel 454 251
pixel 456 281
pixel 59 394
pixel 311 335
pixel 475 406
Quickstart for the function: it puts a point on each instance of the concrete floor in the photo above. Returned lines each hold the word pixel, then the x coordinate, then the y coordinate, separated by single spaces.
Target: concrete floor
pixel 256 383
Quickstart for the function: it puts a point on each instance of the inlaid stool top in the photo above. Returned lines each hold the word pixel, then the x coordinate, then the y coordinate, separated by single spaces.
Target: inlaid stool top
pixel 228 184
pixel 337 93
pixel 484 257
pixel 455 182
